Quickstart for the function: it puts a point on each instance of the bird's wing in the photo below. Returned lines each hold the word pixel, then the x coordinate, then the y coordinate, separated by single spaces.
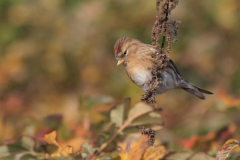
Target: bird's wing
pixel 174 67
pixel 170 63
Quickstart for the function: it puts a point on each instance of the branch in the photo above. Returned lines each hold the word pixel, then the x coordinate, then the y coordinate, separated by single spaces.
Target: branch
pixel 166 18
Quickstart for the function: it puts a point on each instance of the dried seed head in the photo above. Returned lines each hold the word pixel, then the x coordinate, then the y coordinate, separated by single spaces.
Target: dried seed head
pixel 167 28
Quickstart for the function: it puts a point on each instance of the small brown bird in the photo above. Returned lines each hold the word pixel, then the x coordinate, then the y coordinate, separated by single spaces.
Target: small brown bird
pixel 136 58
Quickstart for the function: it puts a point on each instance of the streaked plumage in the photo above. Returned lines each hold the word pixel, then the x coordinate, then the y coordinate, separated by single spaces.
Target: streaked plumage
pixel 136 58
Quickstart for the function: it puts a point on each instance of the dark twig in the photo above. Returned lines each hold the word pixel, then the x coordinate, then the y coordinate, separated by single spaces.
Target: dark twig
pixel 160 57
pixel 168 28
pixel 166 19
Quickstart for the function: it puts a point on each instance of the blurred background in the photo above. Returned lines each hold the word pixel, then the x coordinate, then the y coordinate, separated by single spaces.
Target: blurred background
pixel 58 70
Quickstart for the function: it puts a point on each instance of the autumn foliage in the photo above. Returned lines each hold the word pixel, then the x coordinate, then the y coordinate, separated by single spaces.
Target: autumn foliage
pixel 61 94
pixel 121 140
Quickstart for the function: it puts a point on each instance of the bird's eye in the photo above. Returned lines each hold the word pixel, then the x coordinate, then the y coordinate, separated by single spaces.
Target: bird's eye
pixel 125 53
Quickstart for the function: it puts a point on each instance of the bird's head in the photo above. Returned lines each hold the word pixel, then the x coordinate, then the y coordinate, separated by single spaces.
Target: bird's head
pixel 125 49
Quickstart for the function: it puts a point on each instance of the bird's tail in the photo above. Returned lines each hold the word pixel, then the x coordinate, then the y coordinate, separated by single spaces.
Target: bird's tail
pixel 195 90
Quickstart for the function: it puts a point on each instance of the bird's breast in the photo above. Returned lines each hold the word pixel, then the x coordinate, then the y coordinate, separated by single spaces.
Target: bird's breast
pixel 140 75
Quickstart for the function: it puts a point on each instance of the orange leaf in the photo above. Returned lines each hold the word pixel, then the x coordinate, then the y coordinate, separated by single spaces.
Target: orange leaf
pixel 189 144
pixel 228 100
pixel 223 153
pixel 134 150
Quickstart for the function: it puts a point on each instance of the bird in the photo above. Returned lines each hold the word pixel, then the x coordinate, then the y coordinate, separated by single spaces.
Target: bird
pixel 137 59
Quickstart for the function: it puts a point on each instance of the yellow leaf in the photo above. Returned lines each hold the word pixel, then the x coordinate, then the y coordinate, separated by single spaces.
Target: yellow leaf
pixel 155 153
pixel 67 151
pixel 51 139
pixel 134 150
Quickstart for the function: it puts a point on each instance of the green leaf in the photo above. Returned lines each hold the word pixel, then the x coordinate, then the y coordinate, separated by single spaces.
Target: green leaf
pixel 139 109
pixel 223 153
pixel 161 152
pixel 104 136
pixel 148 119
pixel 27 142
pixel 111 129
pixel 201 156
pixel 53 121
pixel 114 154
pixel 7 150
pixel 28 156
pixel 21 144
pixel 129 130
pixel 118 114
pixel 143 114
pixel 101 139
pixel 128 134
pixel 140 114
pixel 88 150
pixel 49 148
pixel 177 155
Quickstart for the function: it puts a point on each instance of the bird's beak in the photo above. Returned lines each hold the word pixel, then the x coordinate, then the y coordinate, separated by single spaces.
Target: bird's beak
pixel 120 62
